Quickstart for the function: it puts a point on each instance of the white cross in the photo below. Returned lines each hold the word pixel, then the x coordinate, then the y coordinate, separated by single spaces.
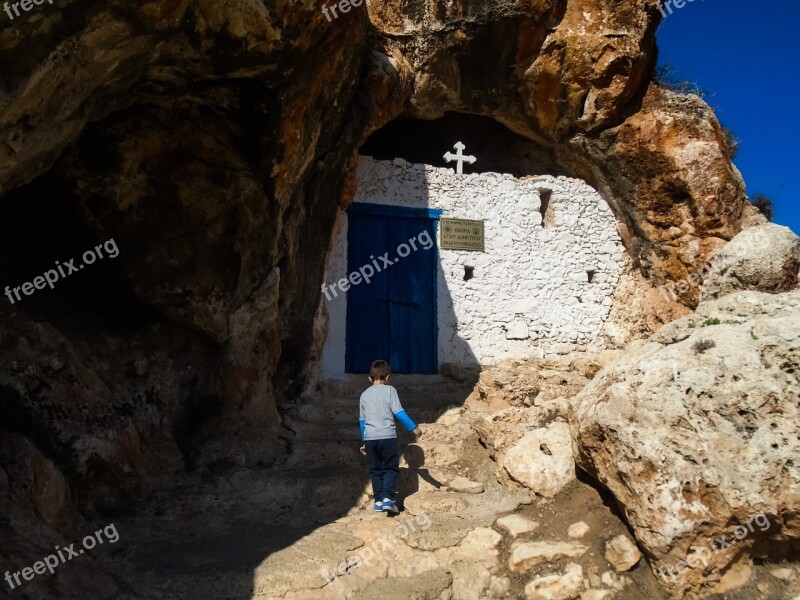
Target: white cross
pixel 459 158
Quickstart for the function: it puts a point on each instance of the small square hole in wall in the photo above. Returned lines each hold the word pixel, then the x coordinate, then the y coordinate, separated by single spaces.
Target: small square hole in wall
pixel 590 275
pixel 469 272
pixel 548 214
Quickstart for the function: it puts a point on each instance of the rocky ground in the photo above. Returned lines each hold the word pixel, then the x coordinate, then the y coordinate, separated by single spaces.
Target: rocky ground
pixel 468 528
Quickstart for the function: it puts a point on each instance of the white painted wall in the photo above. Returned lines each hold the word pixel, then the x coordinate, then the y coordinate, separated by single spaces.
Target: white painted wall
pixel 530 295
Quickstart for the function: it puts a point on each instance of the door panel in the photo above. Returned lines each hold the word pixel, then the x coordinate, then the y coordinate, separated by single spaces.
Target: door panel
pixel 394 316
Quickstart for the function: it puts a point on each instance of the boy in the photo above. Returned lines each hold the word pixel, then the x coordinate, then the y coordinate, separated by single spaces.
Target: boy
pixel 378 408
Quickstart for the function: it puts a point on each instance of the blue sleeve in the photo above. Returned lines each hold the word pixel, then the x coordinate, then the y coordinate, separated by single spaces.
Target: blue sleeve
pixel 362 418
pixel 403 417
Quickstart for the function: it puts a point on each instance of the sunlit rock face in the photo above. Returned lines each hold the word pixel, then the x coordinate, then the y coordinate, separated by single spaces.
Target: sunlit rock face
pixel 695 432
pixel 215 141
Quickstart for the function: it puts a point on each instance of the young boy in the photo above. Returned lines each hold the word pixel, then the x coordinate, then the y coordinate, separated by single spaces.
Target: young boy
pixel 378 408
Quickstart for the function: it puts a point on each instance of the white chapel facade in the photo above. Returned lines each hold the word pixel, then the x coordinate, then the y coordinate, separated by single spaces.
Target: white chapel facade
pixel 541 285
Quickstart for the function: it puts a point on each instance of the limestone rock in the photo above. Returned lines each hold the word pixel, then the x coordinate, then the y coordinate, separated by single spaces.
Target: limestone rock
pixel 622 553
pixel 671 428
pixel 614 581
pixel 784 574
pixel 595 594
pixel 503 428
pixel 529 554
pixel 469 580
pixel 516 525
pixel 542 459
pixel 564 586
pixel 464 485
pixel 479 544
pixel 429 585
pixel 533 382
pixel 577 530
pixel 433 502
pixel 499 587
pixel 765 258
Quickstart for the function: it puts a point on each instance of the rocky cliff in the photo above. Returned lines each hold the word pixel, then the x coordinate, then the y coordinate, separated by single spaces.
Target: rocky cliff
pixel 214 141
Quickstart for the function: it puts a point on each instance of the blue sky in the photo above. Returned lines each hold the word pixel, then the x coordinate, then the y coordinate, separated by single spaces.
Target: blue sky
pixel 745 53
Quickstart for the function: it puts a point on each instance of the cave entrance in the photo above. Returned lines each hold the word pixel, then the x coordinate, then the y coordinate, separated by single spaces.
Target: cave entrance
pixel 497 148
pixel 538 284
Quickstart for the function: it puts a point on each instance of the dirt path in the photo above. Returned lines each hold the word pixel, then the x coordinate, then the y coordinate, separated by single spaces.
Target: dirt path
pixel 306 530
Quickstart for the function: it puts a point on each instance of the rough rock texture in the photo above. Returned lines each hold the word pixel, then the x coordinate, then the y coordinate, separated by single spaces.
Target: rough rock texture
pixel 562 586
pixel 597 595
pixel 696 434
pixel 530 554
pixel 542 460
pixel 536 383
pixel 765 258
pixel 640 308
pixel 622 553
pixel 515 398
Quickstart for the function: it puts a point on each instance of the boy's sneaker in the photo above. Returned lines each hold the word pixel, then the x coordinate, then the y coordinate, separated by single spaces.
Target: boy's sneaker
pixel 390 506
pixel 378 506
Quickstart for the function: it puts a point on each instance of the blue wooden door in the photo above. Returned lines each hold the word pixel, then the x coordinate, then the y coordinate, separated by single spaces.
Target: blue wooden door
pixel 393 317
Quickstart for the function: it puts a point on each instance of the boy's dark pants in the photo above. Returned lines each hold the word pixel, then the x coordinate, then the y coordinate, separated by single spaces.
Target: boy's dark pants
pixel 384 466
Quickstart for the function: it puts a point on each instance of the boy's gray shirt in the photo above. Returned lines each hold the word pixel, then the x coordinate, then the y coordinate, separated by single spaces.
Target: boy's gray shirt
pixel 377 407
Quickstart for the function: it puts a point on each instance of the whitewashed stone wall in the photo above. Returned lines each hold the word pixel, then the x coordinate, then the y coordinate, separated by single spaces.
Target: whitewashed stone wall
pixel 530 294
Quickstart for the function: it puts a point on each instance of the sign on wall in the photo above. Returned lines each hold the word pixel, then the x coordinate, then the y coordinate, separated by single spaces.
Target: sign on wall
pixel 462 234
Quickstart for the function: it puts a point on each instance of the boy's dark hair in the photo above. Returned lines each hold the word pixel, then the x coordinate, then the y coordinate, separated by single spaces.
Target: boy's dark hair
pixel 379 370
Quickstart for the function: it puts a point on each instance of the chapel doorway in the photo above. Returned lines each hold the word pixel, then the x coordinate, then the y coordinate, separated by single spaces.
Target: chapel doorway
pixel 394 315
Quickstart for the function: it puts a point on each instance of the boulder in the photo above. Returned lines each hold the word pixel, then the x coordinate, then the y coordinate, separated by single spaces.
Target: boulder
pixel 765 258
pixel 622 553
pixel 542 459
pixel 696 432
